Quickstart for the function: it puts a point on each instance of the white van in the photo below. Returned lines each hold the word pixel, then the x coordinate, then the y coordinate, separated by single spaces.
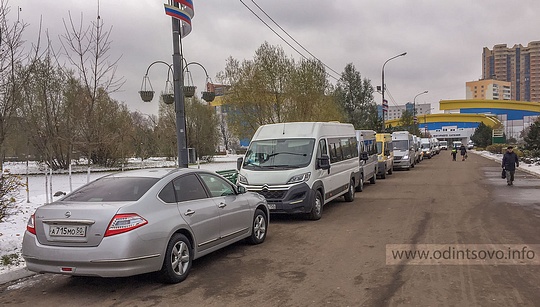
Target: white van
pixel 417 150
pixel 404 153
pixel 367 147
pixel 427 147
pixel 299 167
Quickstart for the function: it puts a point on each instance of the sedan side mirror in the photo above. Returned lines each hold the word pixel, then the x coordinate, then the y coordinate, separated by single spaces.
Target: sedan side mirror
pixel 241 189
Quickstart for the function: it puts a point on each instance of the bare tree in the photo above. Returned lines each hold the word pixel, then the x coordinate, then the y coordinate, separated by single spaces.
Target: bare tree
pixel 13 57
pixel 88 51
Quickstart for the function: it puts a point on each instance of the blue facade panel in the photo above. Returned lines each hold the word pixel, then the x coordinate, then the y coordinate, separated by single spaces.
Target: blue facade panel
pixel 511 114
pixel 440 125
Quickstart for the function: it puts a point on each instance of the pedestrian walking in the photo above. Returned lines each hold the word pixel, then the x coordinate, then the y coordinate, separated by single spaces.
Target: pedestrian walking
pixel 509 163
pixel 454 153
pixel 463 152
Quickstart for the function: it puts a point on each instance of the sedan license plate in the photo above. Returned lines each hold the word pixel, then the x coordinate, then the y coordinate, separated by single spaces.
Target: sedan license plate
pixel 271 206
pixel 67 231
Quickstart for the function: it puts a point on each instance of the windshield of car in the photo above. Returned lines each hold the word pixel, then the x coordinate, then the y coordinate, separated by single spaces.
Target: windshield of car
pixel 379 148
pixel 111 189
pixel 279 153
pixel 400 144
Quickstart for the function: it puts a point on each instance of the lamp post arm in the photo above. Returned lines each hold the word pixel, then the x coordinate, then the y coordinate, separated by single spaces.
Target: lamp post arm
pixel 160 62
pixel 196 63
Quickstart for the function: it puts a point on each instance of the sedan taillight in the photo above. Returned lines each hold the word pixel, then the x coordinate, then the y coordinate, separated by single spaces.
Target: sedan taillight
pixel 31 225
pixel 121 223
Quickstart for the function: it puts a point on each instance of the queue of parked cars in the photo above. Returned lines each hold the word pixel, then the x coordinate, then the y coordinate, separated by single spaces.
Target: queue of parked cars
pixel 160 220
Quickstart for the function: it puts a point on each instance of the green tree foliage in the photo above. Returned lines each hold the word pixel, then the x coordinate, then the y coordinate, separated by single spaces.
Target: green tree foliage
pixel 482 135
pixel 355 96
pixel 532 139
pixel 406 122
pixel 272 88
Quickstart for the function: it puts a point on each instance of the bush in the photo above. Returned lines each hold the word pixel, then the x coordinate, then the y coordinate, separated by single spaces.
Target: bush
pixel 496 148
pixel 501 149
pixel 9 187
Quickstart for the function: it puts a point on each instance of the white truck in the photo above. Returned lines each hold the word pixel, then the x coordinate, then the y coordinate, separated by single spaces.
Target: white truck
pixel 299 167
pixel 404 152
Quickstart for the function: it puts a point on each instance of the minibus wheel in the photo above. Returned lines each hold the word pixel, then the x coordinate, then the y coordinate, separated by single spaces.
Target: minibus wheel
pixel 360 186
pixel 316 210
pixel 349 196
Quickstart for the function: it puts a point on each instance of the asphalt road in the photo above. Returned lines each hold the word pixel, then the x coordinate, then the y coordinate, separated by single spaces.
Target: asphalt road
pixel 340 260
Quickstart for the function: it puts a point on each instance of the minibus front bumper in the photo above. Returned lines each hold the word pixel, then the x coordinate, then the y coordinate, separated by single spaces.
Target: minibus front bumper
pixel 289 199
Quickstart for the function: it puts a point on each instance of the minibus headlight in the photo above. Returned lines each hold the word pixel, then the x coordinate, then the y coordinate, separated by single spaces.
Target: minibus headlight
pixel 299 178
pixel 242 179
pixel 405 157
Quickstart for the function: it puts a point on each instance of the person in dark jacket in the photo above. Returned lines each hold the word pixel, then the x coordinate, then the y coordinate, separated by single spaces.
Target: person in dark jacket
pixel 463 152
pixel 509 162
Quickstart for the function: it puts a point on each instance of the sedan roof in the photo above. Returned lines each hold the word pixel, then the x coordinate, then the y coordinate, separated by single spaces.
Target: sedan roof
pixel 153 172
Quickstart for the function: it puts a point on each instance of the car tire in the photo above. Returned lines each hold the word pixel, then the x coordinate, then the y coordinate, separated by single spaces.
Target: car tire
pixel 316 210
pixel 373 179
pixel 349 196
pixel 360 186
pixel 178 259
pixel 258 228
pixel 383 175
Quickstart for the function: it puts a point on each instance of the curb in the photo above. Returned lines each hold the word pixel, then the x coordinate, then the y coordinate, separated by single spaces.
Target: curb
pixel 499 160
pixel 15 275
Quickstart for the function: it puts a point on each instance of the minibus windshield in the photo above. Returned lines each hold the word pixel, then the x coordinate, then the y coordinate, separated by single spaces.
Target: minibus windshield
pixel 400 144
pixel 379 148
pixel 279 154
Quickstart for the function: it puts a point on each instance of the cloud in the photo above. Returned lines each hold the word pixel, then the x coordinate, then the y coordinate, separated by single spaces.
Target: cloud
pixel 443 39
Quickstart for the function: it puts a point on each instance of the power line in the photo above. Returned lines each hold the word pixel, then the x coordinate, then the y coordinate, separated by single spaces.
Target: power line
pixel 277 24
pixel 281 37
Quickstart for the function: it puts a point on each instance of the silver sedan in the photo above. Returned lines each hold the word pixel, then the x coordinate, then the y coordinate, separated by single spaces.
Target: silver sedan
pixel 142 221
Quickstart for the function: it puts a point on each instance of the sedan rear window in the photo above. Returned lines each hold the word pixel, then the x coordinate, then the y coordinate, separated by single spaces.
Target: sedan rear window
pixel 113 189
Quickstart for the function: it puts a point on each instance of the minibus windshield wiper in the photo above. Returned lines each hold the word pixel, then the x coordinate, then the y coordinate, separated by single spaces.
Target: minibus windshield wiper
pixel 288 153
pixel 286 166
pixel 247 163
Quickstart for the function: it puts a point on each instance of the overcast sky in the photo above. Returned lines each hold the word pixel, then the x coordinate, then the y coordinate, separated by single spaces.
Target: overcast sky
pixel 443 38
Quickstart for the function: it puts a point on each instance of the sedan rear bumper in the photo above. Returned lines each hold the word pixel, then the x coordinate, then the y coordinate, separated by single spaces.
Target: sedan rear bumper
pixel 113 260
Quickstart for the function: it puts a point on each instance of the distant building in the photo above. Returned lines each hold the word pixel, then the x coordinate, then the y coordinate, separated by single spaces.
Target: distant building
pixel 488 89
pixel 395 112
pixel 518 65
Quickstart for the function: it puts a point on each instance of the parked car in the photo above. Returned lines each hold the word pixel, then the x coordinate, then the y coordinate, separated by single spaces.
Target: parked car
pixel 470 145
pixel 385 154
pixel 404 150
pixel 443 145
pixel 301 166
pixel 142 221
pixel 367 149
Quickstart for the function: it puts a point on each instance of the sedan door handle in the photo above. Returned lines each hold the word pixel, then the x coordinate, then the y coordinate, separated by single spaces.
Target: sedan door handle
pixel 189 212
pixel 222 205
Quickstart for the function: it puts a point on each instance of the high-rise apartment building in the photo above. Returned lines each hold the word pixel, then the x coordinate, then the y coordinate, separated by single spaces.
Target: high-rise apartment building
pixel 518 65
pixel 488 89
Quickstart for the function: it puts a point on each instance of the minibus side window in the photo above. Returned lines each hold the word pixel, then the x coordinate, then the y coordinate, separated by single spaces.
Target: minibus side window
pixel 321 150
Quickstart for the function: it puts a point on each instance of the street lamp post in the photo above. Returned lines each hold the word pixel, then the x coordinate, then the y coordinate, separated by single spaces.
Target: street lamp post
pixel 414 108
pixel 383 87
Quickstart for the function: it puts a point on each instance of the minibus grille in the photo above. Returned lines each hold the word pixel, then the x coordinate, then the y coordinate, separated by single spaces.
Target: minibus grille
pixel 397 158
pixel 272 194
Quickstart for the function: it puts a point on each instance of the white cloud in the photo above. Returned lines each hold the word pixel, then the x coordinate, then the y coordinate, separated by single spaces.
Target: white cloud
pixel 443 39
